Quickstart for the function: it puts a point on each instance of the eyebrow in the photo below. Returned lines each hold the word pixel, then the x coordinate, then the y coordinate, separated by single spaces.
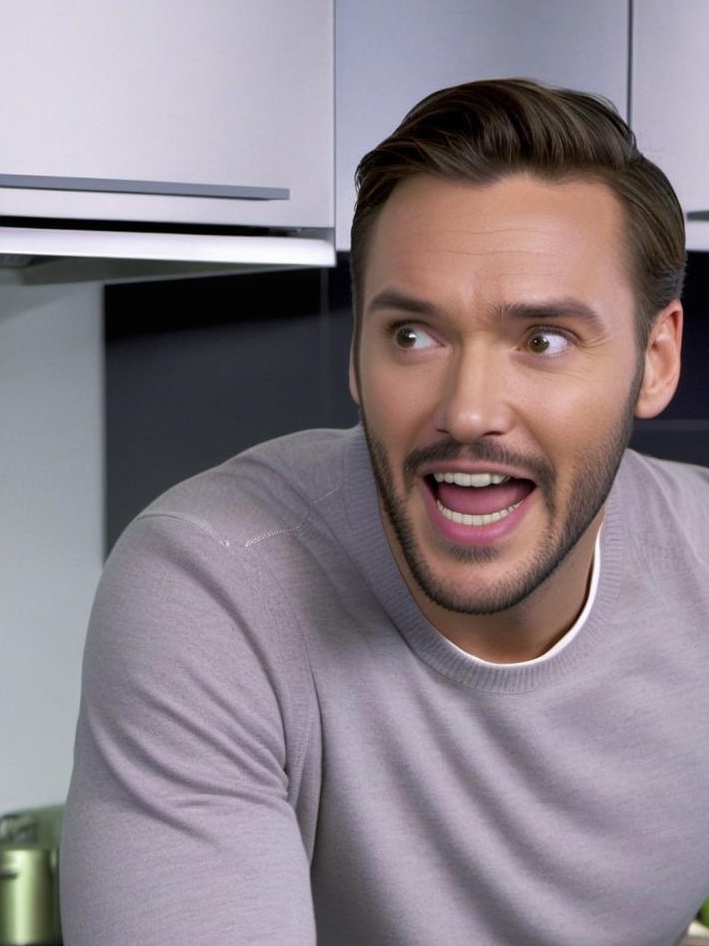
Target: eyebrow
pixel 553 309
pixel 391 299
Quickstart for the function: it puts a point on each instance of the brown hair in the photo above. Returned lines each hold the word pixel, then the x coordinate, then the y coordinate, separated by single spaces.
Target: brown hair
pixel 483 131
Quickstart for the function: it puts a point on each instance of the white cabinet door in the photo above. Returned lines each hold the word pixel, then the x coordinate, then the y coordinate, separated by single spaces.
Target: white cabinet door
pixel 390 53
pixel 173 97
pixel 670 98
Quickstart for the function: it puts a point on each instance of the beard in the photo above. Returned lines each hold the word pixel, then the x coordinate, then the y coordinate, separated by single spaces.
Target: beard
pixel 591 482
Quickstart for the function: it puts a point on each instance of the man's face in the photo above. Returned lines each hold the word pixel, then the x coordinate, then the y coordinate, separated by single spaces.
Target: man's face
pixel 497 375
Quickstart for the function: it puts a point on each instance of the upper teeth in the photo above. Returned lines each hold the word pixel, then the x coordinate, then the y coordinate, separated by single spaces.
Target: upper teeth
pixel 471 479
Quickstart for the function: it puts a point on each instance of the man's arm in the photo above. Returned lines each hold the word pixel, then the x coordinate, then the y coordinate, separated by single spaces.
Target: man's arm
pixel 178 829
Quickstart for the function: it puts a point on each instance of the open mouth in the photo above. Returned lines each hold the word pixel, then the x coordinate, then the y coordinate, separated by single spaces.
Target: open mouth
pixel 477 499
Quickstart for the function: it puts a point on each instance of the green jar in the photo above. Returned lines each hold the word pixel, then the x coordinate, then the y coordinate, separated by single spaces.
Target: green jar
pixel 29 877
pixel 29 902
pixel 704 913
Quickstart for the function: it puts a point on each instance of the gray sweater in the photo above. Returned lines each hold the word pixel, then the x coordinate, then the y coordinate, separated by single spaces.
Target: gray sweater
pixel 276 748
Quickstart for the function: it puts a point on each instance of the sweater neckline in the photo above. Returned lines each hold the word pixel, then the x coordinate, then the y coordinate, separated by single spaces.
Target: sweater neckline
pixel 576 627
pixel 370 550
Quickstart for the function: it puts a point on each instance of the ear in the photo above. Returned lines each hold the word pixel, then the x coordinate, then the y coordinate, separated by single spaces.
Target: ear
pixel 662 362
pixel 354 383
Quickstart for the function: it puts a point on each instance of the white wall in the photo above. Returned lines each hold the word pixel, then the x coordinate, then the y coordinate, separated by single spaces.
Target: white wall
pixel 51 514
pixel 390 53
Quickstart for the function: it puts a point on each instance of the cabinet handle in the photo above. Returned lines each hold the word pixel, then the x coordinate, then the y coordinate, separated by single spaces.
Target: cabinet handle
pixel 161 188
pixel 698 215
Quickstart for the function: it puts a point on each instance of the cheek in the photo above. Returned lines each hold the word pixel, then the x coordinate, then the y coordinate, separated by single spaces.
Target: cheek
pixel 570 420
pixel 396 402
pixel 582 432
pixel 386 410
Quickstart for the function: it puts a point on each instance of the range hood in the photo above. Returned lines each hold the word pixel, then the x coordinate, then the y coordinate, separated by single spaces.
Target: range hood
pixel 49 249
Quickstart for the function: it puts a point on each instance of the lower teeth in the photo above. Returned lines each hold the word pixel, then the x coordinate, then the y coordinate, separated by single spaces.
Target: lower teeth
pixel 463 519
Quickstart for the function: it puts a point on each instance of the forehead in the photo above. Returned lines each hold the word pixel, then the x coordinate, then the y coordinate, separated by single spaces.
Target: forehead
pixel 512 240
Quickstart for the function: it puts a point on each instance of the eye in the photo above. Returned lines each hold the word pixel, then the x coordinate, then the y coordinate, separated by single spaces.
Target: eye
pixel 412 337
pixel 548 342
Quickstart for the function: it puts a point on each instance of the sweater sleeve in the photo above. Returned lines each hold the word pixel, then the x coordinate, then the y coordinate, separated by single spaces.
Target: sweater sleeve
pixel 178 827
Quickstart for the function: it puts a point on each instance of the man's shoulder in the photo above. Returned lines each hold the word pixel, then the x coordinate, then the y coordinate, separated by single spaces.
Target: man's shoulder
pixel 657 475
pixel 670 495
pixel 269 488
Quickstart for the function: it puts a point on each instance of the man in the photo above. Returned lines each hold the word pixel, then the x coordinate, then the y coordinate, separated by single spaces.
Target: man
pixel 441 679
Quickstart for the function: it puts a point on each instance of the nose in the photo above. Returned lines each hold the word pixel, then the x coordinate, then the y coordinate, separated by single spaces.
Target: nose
pixel 476 398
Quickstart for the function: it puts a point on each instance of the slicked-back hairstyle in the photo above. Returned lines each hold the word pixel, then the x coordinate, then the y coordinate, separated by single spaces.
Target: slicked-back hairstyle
pixel 481 132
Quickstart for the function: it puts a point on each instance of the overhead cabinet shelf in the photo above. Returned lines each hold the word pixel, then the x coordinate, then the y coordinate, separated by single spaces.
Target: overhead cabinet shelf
pixel 168 112
pixel 670 91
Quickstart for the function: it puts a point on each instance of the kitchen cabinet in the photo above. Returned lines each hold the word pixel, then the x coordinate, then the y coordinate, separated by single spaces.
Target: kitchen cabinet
pixel 389 55
pixel 670 90
pixel 168 111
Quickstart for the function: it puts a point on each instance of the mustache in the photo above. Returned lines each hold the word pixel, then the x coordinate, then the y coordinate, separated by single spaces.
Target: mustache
pixel 486 451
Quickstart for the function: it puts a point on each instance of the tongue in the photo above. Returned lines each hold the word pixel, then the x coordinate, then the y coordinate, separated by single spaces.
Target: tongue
pixel 480 501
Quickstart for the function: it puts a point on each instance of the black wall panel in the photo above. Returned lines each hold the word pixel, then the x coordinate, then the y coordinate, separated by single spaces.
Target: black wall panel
pixel 199 369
